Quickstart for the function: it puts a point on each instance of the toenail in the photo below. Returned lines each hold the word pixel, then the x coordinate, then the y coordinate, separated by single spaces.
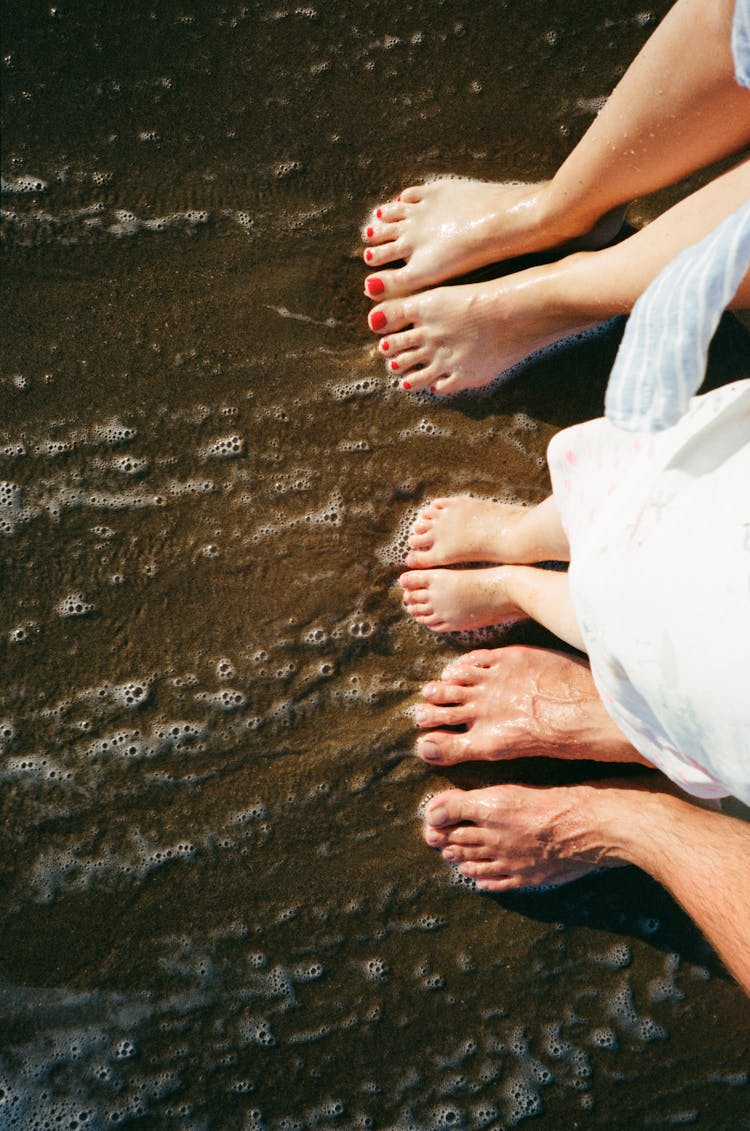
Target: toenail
pixel 427 750
pixel 377 320
pixel 433 388
pixel 394 365
pixel 437 816
pixel 370 233
pixel 448 854
pixel 375 286
pixel 385 346
pixel 368 255
pixel 379 213
pixel 406 385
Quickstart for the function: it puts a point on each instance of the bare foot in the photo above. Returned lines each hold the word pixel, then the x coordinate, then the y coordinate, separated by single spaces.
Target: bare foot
pixel 455 600
pixel 452 225
pixel 463 337
pixel 509 837
pixel 517 702
pixel 462 529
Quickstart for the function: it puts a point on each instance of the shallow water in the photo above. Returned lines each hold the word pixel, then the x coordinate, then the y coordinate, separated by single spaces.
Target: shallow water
pixel 217 911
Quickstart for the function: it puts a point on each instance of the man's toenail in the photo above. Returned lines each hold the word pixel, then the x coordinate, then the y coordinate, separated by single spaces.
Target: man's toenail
pixel 370 233
pixel 394 365
pixel 385 346
pixel 436 816
pixel 368 255
pixel 375 286
pixel 448 854
pixel 379 213
pixel 406 385
pixel 427 750
pixel 377 320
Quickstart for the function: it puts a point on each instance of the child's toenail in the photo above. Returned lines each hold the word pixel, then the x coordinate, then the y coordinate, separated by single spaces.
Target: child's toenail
pixel 370 233
pixel 368 255
pixel 377 320
pixel 385 346
pixel 394 365
pixel 406 385
pixel 375 286
pixel 379 213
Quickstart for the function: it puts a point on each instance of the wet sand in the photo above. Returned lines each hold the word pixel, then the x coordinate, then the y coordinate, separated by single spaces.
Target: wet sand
pixel 216 907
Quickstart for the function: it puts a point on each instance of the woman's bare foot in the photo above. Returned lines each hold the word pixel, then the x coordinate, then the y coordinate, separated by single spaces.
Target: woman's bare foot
pixel 452 225
pixel 455 600
pixel 462 337
pixel 509 837
pixel 462 529
pixel 517 702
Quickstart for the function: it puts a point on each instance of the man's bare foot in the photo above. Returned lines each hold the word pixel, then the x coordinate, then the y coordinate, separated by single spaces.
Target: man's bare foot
pixel 509 837
pixel 452 225
pixel 517 702
pixel 463 337
pixel 463 529
pixel 455 600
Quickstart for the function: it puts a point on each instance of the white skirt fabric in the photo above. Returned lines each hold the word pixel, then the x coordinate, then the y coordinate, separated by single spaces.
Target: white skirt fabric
pixel 659 530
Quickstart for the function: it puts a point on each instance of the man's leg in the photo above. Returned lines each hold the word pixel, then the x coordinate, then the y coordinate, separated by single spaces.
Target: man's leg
pixel 509 837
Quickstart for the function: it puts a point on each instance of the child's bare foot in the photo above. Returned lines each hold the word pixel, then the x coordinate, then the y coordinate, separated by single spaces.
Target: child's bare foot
pixel 452 225
pixel 517 702
pixel 509 837
pixel 455 600
pixel 462 337
pixel 462 529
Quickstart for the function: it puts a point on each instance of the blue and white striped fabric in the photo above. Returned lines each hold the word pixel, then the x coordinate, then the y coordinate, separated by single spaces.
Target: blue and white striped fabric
pixel 741 42
pixel 662 357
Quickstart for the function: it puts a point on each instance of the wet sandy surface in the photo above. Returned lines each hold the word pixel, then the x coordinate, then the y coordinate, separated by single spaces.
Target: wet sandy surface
pixel 217 911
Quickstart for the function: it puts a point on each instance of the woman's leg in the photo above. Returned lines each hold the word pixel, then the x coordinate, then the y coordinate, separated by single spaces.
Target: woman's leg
pixel 677 108
pixel 462 337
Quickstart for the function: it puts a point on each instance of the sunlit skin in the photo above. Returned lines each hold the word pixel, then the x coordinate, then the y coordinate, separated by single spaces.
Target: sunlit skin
pixel 449 339
pixel 456 600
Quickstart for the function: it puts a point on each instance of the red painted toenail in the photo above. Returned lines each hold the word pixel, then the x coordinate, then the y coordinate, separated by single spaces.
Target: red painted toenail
pixel 405 385
pixel 385 346
pixel 398 198
pixel 375 286
pixel 379 213
pixel 433 388
pixel 377 320
pixel 370 233
pixel 368 255
pixel 394 365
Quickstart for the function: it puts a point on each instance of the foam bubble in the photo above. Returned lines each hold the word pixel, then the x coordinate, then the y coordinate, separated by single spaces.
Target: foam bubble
pixel 345 391
pixel 25 183
pixel 225 447
pixel 74 605
pixel 115 433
